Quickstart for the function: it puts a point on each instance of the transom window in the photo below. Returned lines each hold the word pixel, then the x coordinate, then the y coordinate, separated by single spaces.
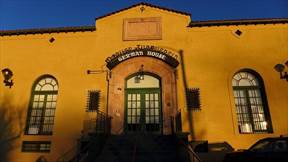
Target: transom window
pixel 40 119
pixel 251 106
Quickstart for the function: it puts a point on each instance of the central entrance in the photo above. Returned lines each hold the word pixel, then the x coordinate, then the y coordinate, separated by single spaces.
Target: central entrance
pixel 143 112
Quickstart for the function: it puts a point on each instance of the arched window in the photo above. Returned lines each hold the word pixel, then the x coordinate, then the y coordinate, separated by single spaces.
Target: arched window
pixel 40 118
pixel 251 104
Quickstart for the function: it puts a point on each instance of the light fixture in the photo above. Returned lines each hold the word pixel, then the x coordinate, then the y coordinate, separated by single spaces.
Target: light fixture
pixel 7 74
pixel 280 69
pixel 140 74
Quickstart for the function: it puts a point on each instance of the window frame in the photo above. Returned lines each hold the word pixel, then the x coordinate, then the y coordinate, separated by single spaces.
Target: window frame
pixel 35 92
pixel 37 146
pixel 264 103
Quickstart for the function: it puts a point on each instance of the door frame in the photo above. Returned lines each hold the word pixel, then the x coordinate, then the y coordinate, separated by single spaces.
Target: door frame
pixel 142 90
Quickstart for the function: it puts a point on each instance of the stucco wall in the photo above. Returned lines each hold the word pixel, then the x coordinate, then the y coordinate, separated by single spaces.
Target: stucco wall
pixel 212 55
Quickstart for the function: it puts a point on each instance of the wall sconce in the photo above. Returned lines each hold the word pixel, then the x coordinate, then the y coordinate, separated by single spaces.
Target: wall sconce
pixel 280 68
pixel 140 75
pixel 7 74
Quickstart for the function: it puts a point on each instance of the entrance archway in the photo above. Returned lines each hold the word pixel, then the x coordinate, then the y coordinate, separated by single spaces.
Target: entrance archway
pixel 117 85
pixel 143 103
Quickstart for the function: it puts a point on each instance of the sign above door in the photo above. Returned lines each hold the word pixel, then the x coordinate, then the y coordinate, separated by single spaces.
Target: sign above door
pixel 142 51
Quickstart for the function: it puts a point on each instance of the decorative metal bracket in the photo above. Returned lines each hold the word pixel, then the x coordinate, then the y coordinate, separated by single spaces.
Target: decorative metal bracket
pixel 7 74
pixel 280 68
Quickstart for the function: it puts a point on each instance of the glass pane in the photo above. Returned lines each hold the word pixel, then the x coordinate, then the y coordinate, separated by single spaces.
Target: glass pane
pixel 39 113
pixel 148 82
pixel 151 111
pixel 33 113
pixel 53 82
pixel 55 87
pixel 129 112
pixel 42 82
pixel 49 97
pixel 151 105
pixel 156 96
pixel 133 119
pixel 157 119
pixel 48 80
pixel 42 97
pixel 129 96
pixel 54 97
pixel 40 104
pixel 52 112
pixel 133 104
pixel 133 111
pixel 138 112
pixel 147 119
pixel 38 87
pixel 138 96
pixel 129 119
pixel 53 105
pixel 244 82
pixel 156 104
pixel 152 119
pixel 151 96
pixel 47 87
pixel 146 96
pixel 36 97
pixel 246 128
pixel 129 104
pixel 138 104
pixel 147 112
pixel 133 96
pixel 147 104
pixel 33 130
pixel 48 105
pixel 156 111
pixel 35 104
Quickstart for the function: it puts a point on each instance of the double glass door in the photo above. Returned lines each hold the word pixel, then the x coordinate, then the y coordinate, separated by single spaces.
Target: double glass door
pixel 143 110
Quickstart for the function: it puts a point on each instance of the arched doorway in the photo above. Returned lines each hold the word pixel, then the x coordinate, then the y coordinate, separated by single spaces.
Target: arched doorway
pixel 125 66
pixel 143 106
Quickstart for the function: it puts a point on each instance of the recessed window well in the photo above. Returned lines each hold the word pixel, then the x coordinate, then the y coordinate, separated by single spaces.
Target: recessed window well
pixel 238 32
pixel 36 146
pixel 51 40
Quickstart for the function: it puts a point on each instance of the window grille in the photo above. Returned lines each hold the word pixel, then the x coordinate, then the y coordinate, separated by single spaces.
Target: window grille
pixel 93 100
pixel 193 98
pixel 251 107
pixel 36 146
pixel 40 118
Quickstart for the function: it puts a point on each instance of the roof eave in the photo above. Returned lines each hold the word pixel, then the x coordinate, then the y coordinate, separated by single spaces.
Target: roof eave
pixel 145 4
pixel 47 30
pixel 238 22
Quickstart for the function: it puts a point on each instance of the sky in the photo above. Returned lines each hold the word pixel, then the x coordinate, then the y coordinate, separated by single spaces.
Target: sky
pixel 31 14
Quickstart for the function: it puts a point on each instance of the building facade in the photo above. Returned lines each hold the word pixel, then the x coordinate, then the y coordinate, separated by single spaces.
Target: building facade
pixel 142 66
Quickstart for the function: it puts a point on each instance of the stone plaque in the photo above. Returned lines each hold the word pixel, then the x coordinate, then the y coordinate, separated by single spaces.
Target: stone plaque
pixel 142 28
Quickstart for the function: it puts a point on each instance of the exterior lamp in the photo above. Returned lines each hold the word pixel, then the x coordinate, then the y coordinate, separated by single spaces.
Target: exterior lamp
pixel 280 68
pixel 140 75
pixel 7 74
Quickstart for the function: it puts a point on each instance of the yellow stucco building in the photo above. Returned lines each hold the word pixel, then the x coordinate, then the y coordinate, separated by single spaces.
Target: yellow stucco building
pixel 143 66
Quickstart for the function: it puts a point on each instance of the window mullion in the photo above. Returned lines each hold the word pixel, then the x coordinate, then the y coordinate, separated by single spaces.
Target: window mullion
pixel 249 108
pixel 43 114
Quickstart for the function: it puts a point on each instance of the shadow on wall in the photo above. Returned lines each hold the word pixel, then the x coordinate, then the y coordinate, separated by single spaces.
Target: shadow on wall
pixel 11 126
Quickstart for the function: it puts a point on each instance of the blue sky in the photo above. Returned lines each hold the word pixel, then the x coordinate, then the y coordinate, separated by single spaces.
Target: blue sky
pixel 27 14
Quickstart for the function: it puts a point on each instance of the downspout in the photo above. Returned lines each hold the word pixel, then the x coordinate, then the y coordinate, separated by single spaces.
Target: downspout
pixel 108 75
pixel 190 114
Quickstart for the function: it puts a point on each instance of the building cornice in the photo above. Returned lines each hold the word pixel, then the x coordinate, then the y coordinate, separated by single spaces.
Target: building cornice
pixel 238 22
pixel 47 30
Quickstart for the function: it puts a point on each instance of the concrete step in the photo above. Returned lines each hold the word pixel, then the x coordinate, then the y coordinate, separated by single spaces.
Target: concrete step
pixel 149 148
